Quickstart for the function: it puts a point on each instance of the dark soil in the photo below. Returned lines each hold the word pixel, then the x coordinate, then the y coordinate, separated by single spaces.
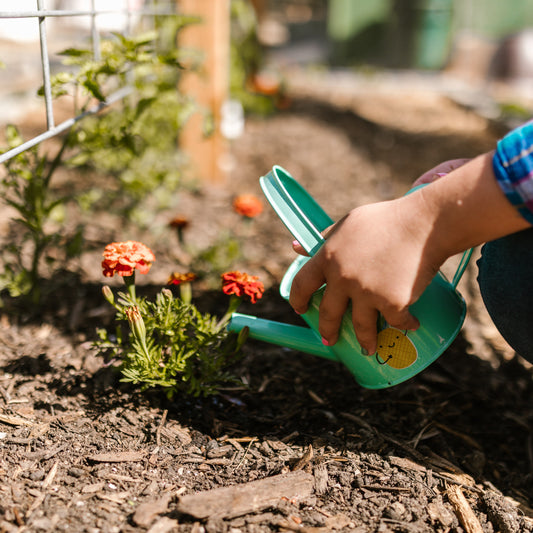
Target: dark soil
pixel 81 451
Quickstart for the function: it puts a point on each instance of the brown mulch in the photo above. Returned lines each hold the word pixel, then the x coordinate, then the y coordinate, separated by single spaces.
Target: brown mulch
pixel 300 446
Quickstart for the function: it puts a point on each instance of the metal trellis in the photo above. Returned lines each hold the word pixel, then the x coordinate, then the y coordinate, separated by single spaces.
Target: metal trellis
pixel 150 8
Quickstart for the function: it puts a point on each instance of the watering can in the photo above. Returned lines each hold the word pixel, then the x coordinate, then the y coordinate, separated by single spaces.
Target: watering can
pixel 441 309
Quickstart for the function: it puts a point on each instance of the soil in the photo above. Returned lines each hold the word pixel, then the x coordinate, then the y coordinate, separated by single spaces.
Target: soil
pixel 451 450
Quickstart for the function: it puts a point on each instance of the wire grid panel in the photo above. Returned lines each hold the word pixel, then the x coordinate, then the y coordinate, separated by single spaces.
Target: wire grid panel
pixel 45 26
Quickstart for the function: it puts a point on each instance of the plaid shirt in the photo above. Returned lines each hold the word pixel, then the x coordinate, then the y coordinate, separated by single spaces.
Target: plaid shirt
pixel 513 167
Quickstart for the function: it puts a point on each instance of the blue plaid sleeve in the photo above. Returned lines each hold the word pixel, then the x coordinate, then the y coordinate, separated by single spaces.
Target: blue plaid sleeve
pixel 513 167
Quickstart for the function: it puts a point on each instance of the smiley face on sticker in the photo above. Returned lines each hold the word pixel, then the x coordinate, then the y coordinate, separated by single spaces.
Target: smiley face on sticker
pixel 395 349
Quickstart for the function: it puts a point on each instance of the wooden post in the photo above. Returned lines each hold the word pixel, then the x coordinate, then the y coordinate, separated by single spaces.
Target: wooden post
pixel 209 87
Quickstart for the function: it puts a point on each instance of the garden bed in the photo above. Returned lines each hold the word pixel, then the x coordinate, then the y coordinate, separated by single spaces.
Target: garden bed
pixel 299 446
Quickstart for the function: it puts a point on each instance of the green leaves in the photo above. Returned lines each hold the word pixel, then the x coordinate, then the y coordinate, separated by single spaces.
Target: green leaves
pixel 185 350
pixel 25 187
pixel 135 142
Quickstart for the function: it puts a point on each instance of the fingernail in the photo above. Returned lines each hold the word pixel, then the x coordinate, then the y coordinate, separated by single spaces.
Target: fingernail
pixel 364 351
pixel 295 243
pixel 325 342
pixel 441 174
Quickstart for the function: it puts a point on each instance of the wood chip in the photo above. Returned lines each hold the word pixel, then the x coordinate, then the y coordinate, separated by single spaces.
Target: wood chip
pixel 51 475
pixel 462 509
pixel 238 500
pixel 119 497
pixel 304 460
pixel 116 457
pixel 164 525
pixel 406 464
pixel 321 476
pixel 15 420
pixel 95 487
pixel 147 512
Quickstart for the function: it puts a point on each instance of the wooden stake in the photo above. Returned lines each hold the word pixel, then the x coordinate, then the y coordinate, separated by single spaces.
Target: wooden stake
pixel 209 88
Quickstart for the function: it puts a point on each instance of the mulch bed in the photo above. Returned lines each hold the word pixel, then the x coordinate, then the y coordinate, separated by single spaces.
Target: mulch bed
pixel 299 446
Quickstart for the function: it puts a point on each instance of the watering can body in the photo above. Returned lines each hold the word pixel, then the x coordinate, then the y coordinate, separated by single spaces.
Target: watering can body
pixel 441 310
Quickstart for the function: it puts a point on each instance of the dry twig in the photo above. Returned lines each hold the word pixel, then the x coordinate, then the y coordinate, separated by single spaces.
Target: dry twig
pixel 463 510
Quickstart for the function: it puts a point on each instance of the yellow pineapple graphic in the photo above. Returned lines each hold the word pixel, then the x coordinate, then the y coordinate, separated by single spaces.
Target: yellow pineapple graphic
pixel 395 348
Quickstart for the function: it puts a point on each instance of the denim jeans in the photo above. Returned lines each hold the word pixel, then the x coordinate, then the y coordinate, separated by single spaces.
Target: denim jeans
pixel 506 283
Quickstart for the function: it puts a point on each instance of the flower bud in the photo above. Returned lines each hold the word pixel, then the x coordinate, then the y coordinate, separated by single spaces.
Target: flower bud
pixel 108 294
pixel 167 294
pixel 136 323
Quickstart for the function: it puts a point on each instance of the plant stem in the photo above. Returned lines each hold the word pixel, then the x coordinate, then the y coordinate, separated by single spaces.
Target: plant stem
pixel 130 284
pixel 233 305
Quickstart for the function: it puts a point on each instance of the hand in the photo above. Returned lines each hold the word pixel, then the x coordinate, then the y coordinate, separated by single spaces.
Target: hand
pixel 428 177
pixel 440 170
pixel 374 258
pixel 381 257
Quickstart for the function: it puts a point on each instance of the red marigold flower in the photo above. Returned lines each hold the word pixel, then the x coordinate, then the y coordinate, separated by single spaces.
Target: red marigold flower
pixel 176 278
pixel 122 258
pixel 248 205
pixel 179 223
pixel 240 284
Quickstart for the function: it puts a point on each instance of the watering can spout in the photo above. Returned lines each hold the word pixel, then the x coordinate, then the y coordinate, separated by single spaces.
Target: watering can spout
pixel 295 337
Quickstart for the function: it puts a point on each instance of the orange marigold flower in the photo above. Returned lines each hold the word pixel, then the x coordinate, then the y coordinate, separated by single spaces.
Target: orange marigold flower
pixel 122 258
pixel 240 284
pixel 179 223
pixel 176 278
pixel 248 205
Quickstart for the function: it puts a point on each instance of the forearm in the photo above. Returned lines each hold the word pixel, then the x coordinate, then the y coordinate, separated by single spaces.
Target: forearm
pixel 465 208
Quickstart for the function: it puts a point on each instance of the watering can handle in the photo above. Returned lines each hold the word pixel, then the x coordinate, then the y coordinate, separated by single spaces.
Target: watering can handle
pixel 300 213
pixel 462 267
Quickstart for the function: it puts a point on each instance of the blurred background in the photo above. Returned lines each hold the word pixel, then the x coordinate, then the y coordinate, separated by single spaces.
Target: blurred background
pixel 487 45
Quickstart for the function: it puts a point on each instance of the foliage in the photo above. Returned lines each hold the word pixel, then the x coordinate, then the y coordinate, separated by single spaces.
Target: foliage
pixel 135 140
pixel 171 345
pixel 38 226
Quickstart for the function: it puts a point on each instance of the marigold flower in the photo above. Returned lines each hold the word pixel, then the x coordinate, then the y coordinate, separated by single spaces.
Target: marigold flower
pixel 176 278
pixel 179 223
pixel 240 284
pixel 247 205
pixel 122 258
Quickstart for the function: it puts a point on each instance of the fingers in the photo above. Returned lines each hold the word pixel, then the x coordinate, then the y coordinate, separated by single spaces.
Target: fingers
pixel 364 321
pixel 440 170
pixel 365 324
pixel 309 279
pixel 332 308
pixel 299 249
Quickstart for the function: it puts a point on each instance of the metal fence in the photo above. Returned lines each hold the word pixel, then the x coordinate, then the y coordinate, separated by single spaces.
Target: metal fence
pixel 117 15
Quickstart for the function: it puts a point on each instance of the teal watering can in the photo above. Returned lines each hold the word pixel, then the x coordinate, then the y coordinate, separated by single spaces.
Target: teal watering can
pixel 441 309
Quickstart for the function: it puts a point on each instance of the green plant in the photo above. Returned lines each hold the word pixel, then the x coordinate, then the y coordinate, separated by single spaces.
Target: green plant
pixel 37 234
pixel 134 141
pixel 170 344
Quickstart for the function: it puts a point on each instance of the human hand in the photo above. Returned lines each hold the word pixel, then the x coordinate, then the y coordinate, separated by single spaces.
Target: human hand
pixel 440 170
pixel 375 260
pixel 428 177
pixel 381 257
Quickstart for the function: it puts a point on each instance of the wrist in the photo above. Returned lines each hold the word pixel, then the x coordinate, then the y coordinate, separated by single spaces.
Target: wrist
pixel 467 208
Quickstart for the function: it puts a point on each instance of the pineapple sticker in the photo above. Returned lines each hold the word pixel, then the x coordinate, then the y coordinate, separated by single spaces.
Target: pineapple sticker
pixel 395 349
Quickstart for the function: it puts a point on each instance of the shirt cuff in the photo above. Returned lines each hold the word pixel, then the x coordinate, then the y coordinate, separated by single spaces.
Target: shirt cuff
pixel 513 167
